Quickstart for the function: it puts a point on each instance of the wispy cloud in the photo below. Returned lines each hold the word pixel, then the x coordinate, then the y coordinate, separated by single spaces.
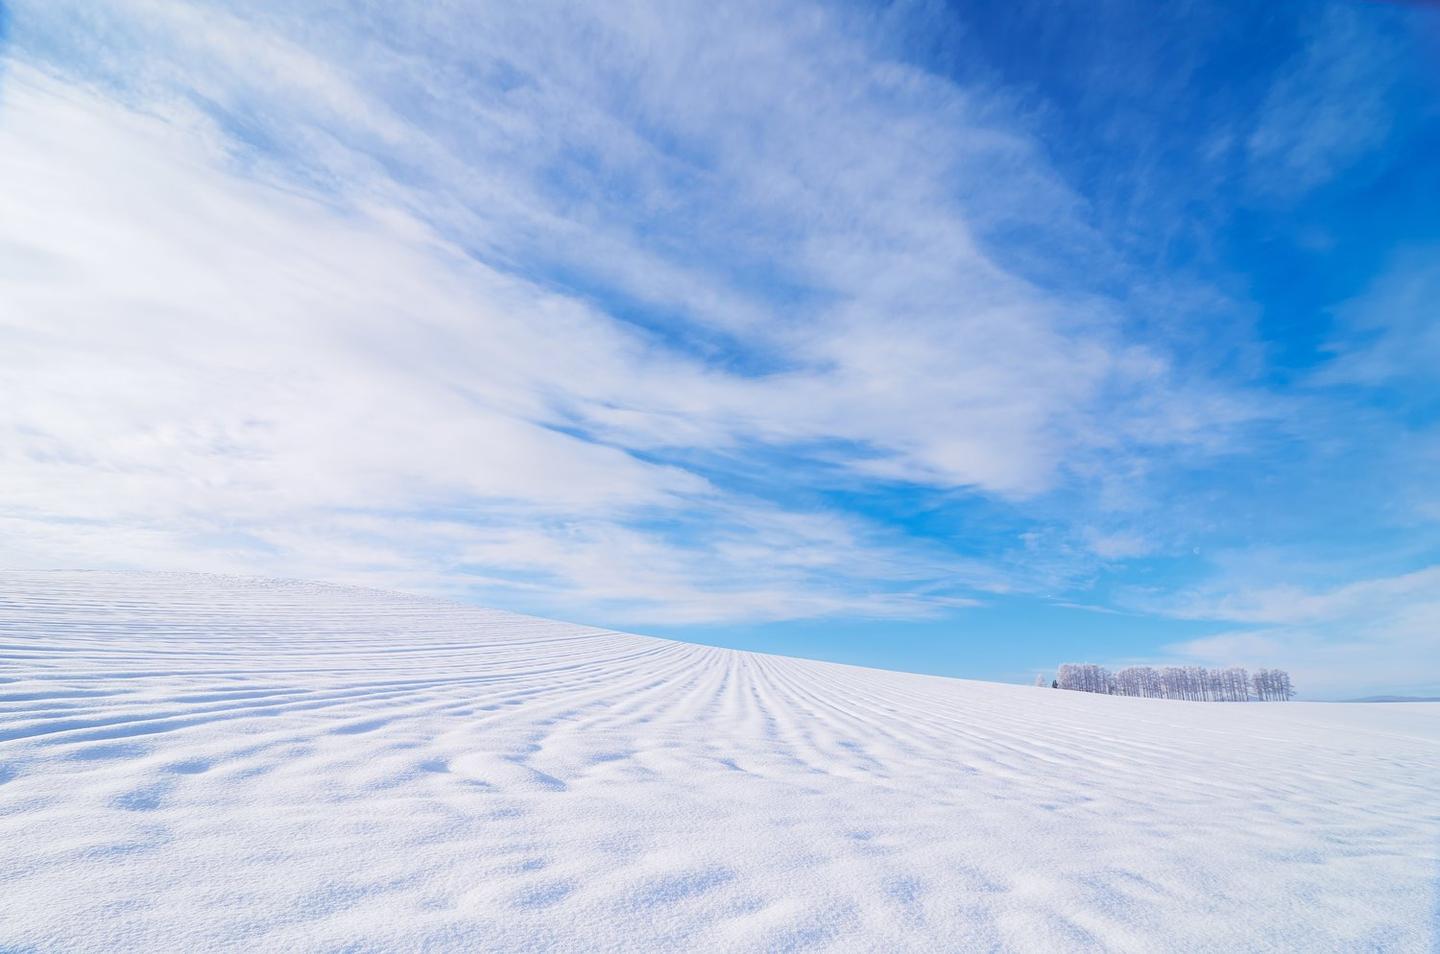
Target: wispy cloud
pixel 526 277
pixel 1389 336
pixel 1371 634
pixel 1327 108
pixel 1282 605
pixel 673 314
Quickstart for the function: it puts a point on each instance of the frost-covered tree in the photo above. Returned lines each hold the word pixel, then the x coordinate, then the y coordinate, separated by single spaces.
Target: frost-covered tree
pixel 1085 677
pixel 1285 688
pixel 1273 685
pixel 1152 685
pixel 1172 682
pixel 1237 684
pixel 1127 681
pixel 1142 681
pixel 1195 683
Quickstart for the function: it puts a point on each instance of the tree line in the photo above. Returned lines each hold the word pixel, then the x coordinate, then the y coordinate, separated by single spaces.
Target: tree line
pixel 1194 683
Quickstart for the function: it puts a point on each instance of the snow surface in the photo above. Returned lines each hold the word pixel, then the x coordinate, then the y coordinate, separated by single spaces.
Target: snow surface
pixel 200 763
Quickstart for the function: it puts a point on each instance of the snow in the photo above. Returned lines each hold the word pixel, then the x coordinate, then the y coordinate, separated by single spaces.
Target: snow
pixel 195 763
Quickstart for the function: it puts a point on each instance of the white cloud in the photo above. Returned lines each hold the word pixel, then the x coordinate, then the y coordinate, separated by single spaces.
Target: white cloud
pixel 501 297
pixel 210 373
pixel 1380 634
pixel 1119 544
pixel 1297 604
pixel 1389 337
pixel 1327 108
pixel 200 324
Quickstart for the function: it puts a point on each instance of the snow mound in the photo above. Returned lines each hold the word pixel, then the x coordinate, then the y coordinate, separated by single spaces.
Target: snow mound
pixel 195 763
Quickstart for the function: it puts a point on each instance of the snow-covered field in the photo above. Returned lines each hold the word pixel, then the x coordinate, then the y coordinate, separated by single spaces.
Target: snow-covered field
pixel 200 763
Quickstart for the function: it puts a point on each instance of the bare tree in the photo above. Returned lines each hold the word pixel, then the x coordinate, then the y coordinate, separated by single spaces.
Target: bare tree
pixel 1237 684
pixel 1273 685
pixel 1085 677
pixel 1194 683
pixel 1283 685
pixel 1127 681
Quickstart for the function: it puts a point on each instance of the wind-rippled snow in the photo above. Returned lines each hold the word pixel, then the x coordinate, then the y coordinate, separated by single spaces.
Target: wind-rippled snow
pixel 194 763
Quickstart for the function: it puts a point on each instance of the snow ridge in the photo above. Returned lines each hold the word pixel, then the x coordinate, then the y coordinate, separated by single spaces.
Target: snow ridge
pixel 209 763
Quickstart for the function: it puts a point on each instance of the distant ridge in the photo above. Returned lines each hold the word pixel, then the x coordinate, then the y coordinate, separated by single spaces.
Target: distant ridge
pixel 1395 699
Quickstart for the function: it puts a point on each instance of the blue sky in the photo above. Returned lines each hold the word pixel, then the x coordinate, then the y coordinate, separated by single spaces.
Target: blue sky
pixel 961 338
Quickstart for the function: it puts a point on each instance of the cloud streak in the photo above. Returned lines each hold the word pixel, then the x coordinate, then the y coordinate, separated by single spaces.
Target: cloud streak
pixel 292 288
pixel 1369 634
pixel 670 315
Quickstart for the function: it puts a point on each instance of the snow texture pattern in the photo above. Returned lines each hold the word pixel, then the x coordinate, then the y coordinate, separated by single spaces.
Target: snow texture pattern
pixel 194 763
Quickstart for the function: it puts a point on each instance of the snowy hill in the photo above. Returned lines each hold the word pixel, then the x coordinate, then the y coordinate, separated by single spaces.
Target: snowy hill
pixel 198 763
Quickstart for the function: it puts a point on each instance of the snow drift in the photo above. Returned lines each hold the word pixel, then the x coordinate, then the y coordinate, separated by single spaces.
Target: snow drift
pixel 201 763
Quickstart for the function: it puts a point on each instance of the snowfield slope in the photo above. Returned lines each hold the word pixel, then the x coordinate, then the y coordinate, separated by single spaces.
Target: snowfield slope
pixel 198 763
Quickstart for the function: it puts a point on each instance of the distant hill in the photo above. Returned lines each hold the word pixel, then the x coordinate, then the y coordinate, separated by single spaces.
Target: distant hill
pixel 1395 699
